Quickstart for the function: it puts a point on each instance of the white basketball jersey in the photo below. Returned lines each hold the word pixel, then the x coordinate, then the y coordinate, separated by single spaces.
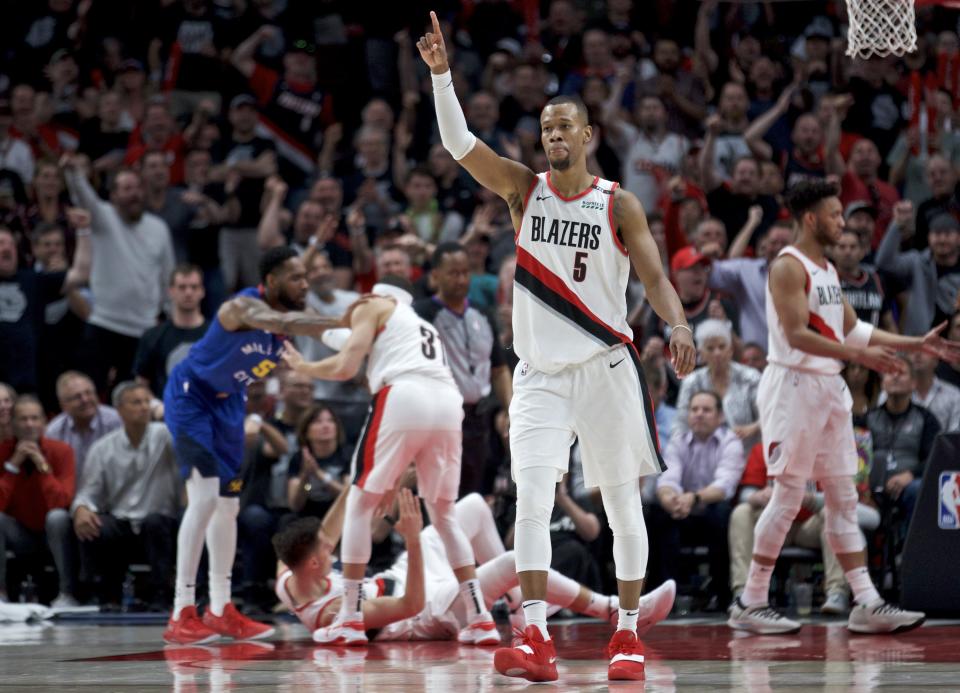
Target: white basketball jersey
pixel 825 303
pixel 569 300
pixel 407 345
pixel 310 613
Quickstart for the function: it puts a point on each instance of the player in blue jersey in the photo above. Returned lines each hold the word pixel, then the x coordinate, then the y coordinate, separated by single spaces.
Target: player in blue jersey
pixel 204 410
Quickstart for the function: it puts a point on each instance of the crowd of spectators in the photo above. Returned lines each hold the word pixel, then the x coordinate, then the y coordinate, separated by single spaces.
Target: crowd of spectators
pixel 149 151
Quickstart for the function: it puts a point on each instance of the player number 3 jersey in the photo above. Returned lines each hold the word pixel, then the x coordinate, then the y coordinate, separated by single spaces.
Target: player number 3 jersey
pixel 825 303
pixel 570 286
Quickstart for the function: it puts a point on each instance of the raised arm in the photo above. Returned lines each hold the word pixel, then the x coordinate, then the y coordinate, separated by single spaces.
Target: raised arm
pixel 343 365
pixel 269 233
pixel 79 272
pixel 707 172
pixel 242 58
pixel 249 313
pixel 632 223
pixel 762 124
pixel 508 179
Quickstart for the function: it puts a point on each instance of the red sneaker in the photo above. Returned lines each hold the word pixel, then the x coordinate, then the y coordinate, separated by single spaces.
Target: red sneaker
pixel 531 657
pixel 626 657
pixel 188 629
pixel 235 625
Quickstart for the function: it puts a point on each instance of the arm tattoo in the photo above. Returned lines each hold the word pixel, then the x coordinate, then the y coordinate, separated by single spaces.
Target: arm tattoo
pixel 252 314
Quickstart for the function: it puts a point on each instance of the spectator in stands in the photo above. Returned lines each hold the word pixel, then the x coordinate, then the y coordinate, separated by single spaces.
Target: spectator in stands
pixel 526 96
pixel 293 107
pixel 598 62
pixel 725 144
pixel 710 237
pixel 36 485
pixel 190 41
pixel 745 279
pixel 166 202
pixel 48 203
pixel 127 303
pixel 808 531
pixel 246 160
pixel 431 224
pixel 25 294
pixel 942 182
pixel 15 154
pixel 320 466
pixel 690 271
pixel 734 383
pixel 932 274
pixel 933 394
pixel 482 114
pixel 903 434
pixel 923 163
pixel 83 420
pixel 861 181
pixel 656 377
pixel 650 153
pixel 861 285
pixel 164 346
pixel 731 201
pixel 350 399
pixel 7 397
pixel 950 373
pixel 864 386
pixel 681 92
pixel 104 138
pixel 474 355
pixel 157 132
pixel 128 500
pixel 704 466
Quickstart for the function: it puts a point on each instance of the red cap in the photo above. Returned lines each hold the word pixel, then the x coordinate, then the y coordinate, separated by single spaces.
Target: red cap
pixel 687 257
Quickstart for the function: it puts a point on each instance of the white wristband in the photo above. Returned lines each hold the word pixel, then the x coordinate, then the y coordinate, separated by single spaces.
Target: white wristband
pixel 256 418
pixel 11 467
pixel 336 338
pixel 860 335
pixel 456 138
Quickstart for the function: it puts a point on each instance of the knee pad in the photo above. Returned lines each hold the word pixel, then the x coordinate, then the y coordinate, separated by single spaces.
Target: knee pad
pixel 777 518
pixel 356 542
pixel 443 515
pixel 840 515
pixel 631 548
pixel 536 489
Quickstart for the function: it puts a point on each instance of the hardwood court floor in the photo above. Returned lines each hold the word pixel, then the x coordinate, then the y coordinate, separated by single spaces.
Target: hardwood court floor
pixel 694 654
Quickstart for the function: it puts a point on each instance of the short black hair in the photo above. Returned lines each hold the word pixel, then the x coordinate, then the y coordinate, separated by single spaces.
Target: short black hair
pixel 716 398
pixel 295 543
pixel 576 101
pixel 807 194
pixel 444 249
pixel 274 258
pixel 397 281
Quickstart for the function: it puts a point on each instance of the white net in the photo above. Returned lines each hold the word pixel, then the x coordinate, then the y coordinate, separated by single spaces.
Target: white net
pixel 881 27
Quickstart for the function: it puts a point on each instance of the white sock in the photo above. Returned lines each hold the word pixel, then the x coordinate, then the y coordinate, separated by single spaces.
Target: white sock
pixel 757 590
pixel 600 606
pixel 627 619
pixel 863 590
pixel 202 497
pixel 535 613
pixel 351 604
pixel 221 550
pixel 472 599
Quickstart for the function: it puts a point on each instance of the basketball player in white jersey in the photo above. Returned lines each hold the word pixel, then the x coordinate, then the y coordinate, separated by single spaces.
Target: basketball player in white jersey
pixel 415 599
pixel 805 413
pixel 579 375
pixel 415 416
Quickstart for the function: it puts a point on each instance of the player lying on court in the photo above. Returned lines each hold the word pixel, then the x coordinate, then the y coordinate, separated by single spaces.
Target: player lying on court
pixel 416 417
pixel 416 598
pixel 805 413
pixel 577 239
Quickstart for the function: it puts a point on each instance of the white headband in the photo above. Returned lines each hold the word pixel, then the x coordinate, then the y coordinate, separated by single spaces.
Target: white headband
pixel 396 292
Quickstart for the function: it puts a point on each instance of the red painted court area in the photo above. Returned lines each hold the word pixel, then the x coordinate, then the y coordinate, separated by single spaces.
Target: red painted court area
pixel 587 641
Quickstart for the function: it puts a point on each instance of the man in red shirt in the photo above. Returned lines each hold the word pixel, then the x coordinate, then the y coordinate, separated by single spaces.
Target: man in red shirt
pixel 861 182
pixel 37 482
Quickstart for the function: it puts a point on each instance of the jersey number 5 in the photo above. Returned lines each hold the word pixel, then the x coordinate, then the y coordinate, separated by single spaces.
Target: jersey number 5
pixel 579 267
pixel 262 369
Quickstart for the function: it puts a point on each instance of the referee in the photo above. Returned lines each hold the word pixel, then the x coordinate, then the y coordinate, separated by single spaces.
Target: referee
pixel 474 355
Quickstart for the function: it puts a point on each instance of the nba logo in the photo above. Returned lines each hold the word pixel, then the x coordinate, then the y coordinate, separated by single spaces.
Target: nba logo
pixel 949 516
pixel 524 367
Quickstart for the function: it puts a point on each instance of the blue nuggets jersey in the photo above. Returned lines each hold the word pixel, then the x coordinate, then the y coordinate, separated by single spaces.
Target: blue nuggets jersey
pixel 229 361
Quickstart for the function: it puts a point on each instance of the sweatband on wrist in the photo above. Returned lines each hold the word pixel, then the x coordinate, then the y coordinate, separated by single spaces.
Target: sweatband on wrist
pixel 860 335
pixel 456 138
pixel 336 338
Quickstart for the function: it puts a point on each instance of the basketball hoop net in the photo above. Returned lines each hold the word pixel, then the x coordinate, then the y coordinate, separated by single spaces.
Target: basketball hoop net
pixel 881 27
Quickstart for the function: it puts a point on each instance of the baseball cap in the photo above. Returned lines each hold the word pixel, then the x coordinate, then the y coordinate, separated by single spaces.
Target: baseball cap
pixel 687 257
pixel 131 65
pixel 859 206
pixel 819 27
pixel 243 100
pixel 944 222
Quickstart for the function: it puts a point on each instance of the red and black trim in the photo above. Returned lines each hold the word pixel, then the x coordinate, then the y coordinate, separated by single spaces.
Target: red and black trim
pixel 575 197
pixel 367 446
pixel 551 291
pixel 818 325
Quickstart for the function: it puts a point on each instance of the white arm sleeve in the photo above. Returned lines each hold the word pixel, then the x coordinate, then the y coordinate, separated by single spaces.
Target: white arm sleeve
pixel 453 126
pixel 860 335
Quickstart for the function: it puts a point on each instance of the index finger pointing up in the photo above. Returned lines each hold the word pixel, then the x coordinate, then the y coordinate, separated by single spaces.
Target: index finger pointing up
pixel 436 22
